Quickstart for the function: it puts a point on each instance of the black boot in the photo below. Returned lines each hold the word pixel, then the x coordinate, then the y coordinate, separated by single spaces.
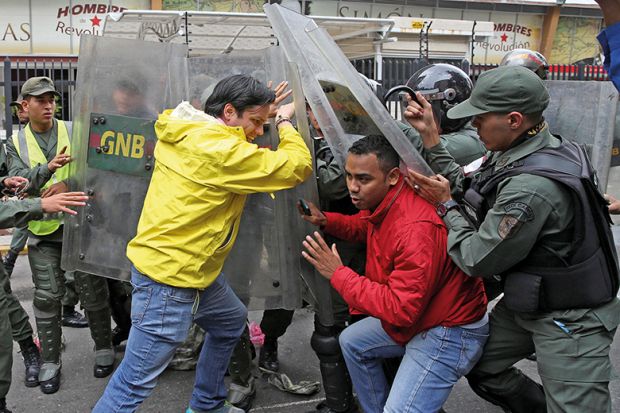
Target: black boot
pixel 32 361
pixel 324 408
pixel 72 318
pixel 3 408
pixel 268 356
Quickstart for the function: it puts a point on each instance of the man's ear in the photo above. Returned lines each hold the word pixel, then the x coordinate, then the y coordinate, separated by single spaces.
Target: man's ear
pixel 515 120
pixel 393 176
pixel 229 112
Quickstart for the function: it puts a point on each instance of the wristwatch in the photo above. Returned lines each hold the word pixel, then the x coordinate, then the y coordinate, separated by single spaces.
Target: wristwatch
pixel 444 207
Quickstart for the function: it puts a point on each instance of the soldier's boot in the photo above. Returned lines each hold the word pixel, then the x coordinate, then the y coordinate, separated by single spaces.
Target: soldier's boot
pixel 72 318
pixel 3 408
pixel 120 305
pixel 9 261
pixel 242 388
pixel 101 332
pixel 528 397
pixel 47 317
pixel 268 355
pixel 32 361
pixel 336 379
pixel 93 293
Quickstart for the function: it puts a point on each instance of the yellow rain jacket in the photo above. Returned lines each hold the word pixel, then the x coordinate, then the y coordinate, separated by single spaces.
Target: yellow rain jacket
pixel 203 173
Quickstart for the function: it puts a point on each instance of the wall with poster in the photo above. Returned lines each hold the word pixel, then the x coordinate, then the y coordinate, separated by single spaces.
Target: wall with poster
pixel 575 41
pixel 53 26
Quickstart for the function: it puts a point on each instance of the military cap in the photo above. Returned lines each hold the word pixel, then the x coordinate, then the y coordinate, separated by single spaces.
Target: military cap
pixel 17 102
pixel 36 86
pixel 503 90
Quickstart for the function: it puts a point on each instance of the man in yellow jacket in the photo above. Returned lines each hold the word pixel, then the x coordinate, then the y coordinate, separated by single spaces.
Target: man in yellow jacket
pixel 206 165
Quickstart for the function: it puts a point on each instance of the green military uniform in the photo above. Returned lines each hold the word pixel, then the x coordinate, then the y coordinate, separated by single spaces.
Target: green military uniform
pixel 12 213
pixel 463 144
pixel 49 279
pixel 530 222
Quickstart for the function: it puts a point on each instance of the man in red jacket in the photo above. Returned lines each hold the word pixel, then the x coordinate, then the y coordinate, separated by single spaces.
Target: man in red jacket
pixel 421 306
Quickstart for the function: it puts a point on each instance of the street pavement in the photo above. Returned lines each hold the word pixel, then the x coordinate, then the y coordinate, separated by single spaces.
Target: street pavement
pixel 80 390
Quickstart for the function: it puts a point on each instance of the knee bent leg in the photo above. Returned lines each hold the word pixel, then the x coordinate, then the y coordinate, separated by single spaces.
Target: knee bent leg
pixel 46 304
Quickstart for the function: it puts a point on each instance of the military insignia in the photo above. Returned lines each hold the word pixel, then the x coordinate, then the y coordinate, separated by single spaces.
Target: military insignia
pixel 508 226
pixel 523 210
pixel 501 162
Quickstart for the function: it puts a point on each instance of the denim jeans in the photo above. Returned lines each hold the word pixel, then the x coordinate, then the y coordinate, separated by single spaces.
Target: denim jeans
pixel 161 316
pixel 433 361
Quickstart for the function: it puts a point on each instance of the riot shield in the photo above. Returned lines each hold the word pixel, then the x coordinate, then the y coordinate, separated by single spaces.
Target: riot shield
pixel 344 105
pixel 585 112
pixel 122 85
pixel 265 265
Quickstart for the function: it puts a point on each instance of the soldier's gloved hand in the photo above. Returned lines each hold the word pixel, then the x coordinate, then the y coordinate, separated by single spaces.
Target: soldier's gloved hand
pixel 281 94
pixel 315 218
pixel 62 202
pixel 57 188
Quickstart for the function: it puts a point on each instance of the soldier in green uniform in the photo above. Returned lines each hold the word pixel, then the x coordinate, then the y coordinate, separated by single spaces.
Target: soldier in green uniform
pixel 15 213
pixel 38 152
pixel 533 227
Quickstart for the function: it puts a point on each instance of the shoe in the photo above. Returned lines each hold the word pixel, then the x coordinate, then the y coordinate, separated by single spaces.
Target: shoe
pixel 242 396
pixel 225 408
pixel 3 408
pixel 104 363
pixel 322 407
pixel 32 362
pixel 119 335
pixel 9 261
pixel 74 319
pixel 268 356
pixel 49 378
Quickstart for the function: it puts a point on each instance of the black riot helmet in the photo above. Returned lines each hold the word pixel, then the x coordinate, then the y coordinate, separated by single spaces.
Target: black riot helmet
pixel 530 59
pixel 444 86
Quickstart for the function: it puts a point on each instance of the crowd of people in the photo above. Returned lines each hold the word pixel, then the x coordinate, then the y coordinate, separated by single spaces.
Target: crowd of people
pixel 412 260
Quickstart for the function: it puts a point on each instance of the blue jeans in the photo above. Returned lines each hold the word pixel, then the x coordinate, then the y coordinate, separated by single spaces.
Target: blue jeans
pixel 433 361
pixel 161 316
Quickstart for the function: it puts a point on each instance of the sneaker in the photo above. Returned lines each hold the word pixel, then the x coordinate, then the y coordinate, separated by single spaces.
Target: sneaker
pixel 242 396
pixel 74 319
pixel 322 407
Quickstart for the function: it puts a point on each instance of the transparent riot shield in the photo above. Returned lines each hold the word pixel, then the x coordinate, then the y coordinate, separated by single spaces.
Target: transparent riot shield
pixel 585 112
pixel 265 265
pixel 122 85
pixel 344 105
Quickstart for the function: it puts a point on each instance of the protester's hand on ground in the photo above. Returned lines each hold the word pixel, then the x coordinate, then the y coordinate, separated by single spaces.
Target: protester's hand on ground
pixel 316 218
pixel 435 189
pixel 57 188
pixel 61 202
pixel 326 260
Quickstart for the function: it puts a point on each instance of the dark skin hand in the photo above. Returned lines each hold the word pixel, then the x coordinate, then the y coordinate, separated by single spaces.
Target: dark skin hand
pixel 326 260
pixel 316 218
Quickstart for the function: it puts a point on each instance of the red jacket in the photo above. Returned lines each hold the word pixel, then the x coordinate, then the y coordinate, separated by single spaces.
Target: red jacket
pixel 411 284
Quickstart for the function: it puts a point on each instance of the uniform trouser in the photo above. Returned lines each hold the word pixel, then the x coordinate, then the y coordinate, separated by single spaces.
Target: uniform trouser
pixel 6 346
pixel 573 357
pixel 20 326
pixel 120 303
pixel 19 239
pixel 49 280
pixel 70 299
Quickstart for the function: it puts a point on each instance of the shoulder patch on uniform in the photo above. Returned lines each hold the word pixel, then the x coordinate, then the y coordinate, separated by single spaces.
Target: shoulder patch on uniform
pixel 520 209
pixel 508 226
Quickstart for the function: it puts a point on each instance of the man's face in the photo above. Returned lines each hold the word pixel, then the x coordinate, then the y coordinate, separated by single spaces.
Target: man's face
pixel 366 181
pixel 494 130
pixel 21 114
pixel 126 102
pixel 313 121
pixel 251 120
pixel 40 109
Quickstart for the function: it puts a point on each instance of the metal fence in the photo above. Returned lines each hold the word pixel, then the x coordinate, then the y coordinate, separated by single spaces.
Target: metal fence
pixel 17 69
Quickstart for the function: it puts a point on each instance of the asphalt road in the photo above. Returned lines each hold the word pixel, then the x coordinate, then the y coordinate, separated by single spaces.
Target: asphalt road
pixel 80 390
